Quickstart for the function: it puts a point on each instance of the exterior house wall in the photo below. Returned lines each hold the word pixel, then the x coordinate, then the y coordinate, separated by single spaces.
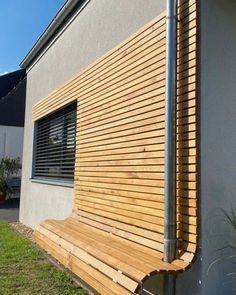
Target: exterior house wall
pixel 209 275
pixel 98 28
pixel 152 284
pixel 218 65
pixel 11 141
pixel 218 141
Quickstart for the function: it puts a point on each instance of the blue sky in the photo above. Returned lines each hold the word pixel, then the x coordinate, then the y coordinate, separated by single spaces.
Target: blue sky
pixel 21 23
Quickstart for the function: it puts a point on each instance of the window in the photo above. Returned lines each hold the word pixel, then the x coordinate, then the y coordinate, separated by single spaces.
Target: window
pixel 55 146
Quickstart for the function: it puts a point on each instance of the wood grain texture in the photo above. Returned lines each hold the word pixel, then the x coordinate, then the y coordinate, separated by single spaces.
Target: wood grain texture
pixel 115 233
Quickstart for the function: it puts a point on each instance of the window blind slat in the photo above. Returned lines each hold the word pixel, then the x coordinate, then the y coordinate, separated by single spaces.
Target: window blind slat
pixel 55 145
pixel 55 130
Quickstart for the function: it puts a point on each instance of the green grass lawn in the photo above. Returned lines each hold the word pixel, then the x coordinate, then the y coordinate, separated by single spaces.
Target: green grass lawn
pixel 24 270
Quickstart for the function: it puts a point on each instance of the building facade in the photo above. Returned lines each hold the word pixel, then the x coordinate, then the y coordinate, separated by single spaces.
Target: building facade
pixel 84 34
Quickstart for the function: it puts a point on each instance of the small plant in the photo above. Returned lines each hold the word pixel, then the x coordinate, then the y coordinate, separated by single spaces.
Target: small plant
pixel 8 168
pixel 231 258
pixel 231 219
pixel 232 245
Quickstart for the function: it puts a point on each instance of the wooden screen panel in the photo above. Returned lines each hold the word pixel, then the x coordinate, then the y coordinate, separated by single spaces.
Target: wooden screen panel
pixel 120 139
pixel 119 170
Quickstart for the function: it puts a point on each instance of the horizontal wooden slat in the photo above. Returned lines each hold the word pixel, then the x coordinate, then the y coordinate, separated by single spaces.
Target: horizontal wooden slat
pixel 120 236
pixel 90 87
pixel 121 151
pixel 50 245
pixel 127 175
pixel 69 244
pixel 121 193
pixel 129 181
pixel 122 118
pixel 147 224
pixel 79 267
pixel 131 188
pixel 72 237
pixel 116 227
pixel 122 199
pixel 121 133
pixel 87 201
pixel 124 249
pixel 128 139
pixel 149 99
pixel 123 48
pixel 148 256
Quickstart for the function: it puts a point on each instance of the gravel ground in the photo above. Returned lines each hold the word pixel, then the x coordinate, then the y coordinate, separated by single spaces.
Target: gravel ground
pixel 22 229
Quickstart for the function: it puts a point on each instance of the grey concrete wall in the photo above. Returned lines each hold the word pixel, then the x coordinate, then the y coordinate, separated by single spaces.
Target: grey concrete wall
pixel 98 28
pixel 218 142
pixel 210 274
pixel 11 141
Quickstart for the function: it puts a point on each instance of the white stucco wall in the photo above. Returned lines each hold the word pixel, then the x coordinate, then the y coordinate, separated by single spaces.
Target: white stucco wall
pixel 11 141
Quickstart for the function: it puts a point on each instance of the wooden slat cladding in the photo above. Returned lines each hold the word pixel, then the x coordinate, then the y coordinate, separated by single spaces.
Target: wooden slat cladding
pixel 120 132
pixel 187 131
pixel 151 34
pixel 119 168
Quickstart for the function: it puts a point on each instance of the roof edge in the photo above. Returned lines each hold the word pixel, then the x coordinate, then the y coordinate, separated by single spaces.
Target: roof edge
pixel 51 29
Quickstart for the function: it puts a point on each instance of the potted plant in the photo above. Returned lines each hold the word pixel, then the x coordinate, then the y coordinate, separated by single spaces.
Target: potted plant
pixel 8 168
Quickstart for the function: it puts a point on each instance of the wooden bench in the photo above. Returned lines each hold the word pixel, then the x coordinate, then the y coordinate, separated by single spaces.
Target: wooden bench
pixel 114 238
pixel 110 256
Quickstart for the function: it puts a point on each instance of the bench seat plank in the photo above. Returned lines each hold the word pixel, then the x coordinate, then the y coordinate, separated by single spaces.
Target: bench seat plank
pixel 88 274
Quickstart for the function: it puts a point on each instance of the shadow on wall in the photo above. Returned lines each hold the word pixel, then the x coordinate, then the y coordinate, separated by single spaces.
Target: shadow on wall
pixel 153 286
pixel 220 263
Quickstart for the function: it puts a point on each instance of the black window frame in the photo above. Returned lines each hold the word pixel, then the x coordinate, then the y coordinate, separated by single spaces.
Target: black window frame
pixel 58 129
